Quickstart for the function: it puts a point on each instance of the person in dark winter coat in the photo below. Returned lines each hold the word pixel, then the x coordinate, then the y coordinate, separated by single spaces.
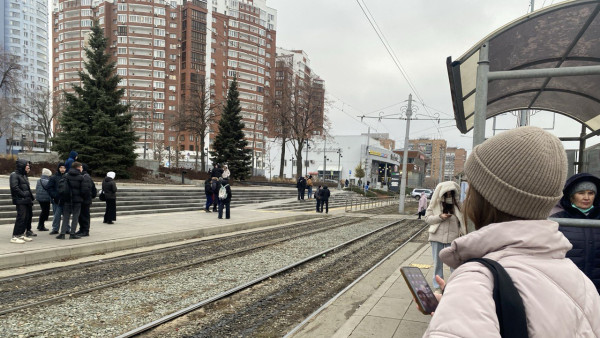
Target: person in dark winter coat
pixel 72 157
pixel 22 198
pixel 318 198
pixel 325 193
pixel 43 197
pixel 301 185
pixel 55 196
pixel 215 185
pixel 209 194
pixel 89 193
pixel 225 203
pixel 72 202
pixel 579 201
pixel 109 187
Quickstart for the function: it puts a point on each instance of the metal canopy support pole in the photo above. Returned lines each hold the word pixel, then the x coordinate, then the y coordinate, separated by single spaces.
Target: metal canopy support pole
pixel 405 157
pixel 581 149
pixel 481 95
pixel 542 72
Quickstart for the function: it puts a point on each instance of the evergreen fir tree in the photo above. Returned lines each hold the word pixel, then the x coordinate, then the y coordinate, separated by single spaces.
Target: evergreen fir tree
pixel 230 145
pixel 94 122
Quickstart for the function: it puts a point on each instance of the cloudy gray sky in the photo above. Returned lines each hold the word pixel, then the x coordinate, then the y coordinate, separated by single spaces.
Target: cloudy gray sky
pixel 362 79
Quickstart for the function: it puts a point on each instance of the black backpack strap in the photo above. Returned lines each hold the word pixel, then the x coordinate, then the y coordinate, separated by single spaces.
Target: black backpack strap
pixel 509 304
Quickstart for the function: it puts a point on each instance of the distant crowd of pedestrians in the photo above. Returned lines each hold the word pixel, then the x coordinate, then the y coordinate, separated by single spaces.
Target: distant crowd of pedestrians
pixel 70 191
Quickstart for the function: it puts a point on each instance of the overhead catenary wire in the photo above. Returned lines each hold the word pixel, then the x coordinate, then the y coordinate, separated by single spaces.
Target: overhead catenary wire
pixel 383 40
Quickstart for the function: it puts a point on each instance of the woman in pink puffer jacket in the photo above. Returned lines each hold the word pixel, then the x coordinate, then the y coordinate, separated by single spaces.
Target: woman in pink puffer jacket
pixel 515 178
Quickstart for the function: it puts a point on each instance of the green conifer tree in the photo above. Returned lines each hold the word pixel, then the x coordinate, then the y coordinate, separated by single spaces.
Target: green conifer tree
pixel 230 145
pixel 94 122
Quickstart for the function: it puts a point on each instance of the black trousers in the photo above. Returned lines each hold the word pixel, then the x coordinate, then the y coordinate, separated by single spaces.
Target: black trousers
pixel 224 204
pixel 318 204
pixel 23 221
pixel 45 206
pixel 84 218
pixel 326 202
pixel 300 194
pixel 111 211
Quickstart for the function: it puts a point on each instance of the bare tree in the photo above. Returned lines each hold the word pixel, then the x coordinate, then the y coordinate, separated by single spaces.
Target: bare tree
pixel 199 115
pixel 10 73
pixel 37 107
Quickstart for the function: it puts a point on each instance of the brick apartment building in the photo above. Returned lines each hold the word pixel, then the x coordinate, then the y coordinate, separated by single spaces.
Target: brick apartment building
pixel 160 48
pixel 455 162
pixel 435 153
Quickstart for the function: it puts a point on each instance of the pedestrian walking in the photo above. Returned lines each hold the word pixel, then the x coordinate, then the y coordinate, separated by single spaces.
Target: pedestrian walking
pixel 515 178
pixel 72 158
pixel 22 198
pixel 224 199
pixel 43 197
pixel 309 185
pixel 445 223
pixel 318 198
pixel 301 185
pixel 89 193
pixel 109 188
pixel 71 188
pixel 325 193
pixel 209 194
pixel 422 204
pixel 53 191
pixel 579 201
pixel 215 185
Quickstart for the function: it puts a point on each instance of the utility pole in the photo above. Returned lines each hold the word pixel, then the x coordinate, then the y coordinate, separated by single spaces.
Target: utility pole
pixel 306 159
pixel 324 157
pixel 523 113
pixel 405 157
pixel 339 178
pixel 441 174
pixel 367 159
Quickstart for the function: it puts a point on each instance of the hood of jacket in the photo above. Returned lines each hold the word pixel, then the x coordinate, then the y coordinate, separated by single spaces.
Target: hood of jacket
pixel 73 154
pixel 74 172
pixel 21 164
pixel 60 164
pixel 498 240
pixel 565 201
pixel 435 205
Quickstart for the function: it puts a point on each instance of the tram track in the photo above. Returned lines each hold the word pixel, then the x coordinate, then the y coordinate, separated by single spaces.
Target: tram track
pixel 274 305
pixel 46 286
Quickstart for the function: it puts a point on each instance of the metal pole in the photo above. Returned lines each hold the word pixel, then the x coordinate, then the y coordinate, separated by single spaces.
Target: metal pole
pixel 324 157
pixel 405 157
pixel 339 178
pixel 441 174
pixel 367 158
pixel 292 168
pixel 581 149
pixel 481 95
pixel 306 160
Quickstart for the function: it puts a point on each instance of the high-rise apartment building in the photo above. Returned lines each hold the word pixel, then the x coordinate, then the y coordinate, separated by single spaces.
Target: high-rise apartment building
pixel 243 46
pixel 435 152
pixel 455 162
pixel 24 34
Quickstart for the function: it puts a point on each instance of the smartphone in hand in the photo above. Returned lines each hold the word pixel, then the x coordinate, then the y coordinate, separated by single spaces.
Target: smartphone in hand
pixel 420 289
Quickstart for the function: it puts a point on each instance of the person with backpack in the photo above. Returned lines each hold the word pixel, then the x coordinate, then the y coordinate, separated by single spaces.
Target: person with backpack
pixel 22 198
pixel 325 193
pixel 515 178
pixel 301 185
pixel 71 188
pixel 109 187
pixel 55 197
pixel 209 194
pixel 43 197
pixel 89 193
pixel 318 198
pixel 224 199
pixel 215 185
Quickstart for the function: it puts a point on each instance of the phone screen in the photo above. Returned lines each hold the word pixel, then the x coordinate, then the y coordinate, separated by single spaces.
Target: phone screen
pixel 419 288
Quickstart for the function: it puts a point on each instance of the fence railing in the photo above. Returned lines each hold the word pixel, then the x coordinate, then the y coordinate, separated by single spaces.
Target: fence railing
pixel 363 203
pixel 577 222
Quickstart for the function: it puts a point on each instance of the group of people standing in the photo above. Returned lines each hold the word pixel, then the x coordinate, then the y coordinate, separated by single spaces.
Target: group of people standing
pixel 304 184
pixel 515 179
pixel 216 197
pixel 70 191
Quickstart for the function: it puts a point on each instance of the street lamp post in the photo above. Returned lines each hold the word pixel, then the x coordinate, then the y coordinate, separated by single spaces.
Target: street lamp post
pixel 306 159
pixel 206 152
pixel 405 157
pixel 292 168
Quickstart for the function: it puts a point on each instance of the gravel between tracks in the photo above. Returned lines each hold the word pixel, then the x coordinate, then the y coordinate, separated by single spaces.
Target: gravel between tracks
pixel 113 311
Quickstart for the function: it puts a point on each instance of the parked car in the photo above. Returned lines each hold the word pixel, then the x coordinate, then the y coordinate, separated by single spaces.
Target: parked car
pixel 416 193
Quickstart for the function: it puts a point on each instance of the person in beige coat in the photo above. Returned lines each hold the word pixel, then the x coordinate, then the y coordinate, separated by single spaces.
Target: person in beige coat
pixel 445 223
pixel 515 178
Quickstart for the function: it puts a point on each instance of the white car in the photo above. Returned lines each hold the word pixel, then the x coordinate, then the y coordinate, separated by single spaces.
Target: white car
pixel 416 193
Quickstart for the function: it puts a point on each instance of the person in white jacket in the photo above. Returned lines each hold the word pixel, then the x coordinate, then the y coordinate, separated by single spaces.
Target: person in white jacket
pixel 515 178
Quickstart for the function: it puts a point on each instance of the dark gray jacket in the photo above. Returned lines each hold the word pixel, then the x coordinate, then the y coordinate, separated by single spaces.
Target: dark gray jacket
pixel 41 189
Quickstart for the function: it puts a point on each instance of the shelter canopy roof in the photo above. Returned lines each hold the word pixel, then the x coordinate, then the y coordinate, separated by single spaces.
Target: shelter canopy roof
pixel 559 36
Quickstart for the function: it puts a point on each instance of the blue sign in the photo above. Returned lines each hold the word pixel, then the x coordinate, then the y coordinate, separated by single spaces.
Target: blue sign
pixel 349 172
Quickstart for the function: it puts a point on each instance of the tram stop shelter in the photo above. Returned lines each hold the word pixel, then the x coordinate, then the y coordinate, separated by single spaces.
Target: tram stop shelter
pixel 546 60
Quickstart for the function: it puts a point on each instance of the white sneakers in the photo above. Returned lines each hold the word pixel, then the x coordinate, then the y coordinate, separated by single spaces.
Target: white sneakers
pixel 20 239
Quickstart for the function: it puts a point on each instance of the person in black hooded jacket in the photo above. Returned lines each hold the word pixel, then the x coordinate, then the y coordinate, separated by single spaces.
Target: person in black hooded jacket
pixel 89 192
pixel 72 202
pixel 579 201
pixel 53 191
pixel 109 187
pixel 22 198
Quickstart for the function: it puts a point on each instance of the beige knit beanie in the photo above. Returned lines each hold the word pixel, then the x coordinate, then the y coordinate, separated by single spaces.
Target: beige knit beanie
pixel 520 172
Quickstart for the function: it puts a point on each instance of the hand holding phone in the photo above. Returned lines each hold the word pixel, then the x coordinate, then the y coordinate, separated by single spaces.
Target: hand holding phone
pixel 420 289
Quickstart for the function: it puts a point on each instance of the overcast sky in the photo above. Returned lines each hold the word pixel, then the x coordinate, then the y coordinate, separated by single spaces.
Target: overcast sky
pixel 362 79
